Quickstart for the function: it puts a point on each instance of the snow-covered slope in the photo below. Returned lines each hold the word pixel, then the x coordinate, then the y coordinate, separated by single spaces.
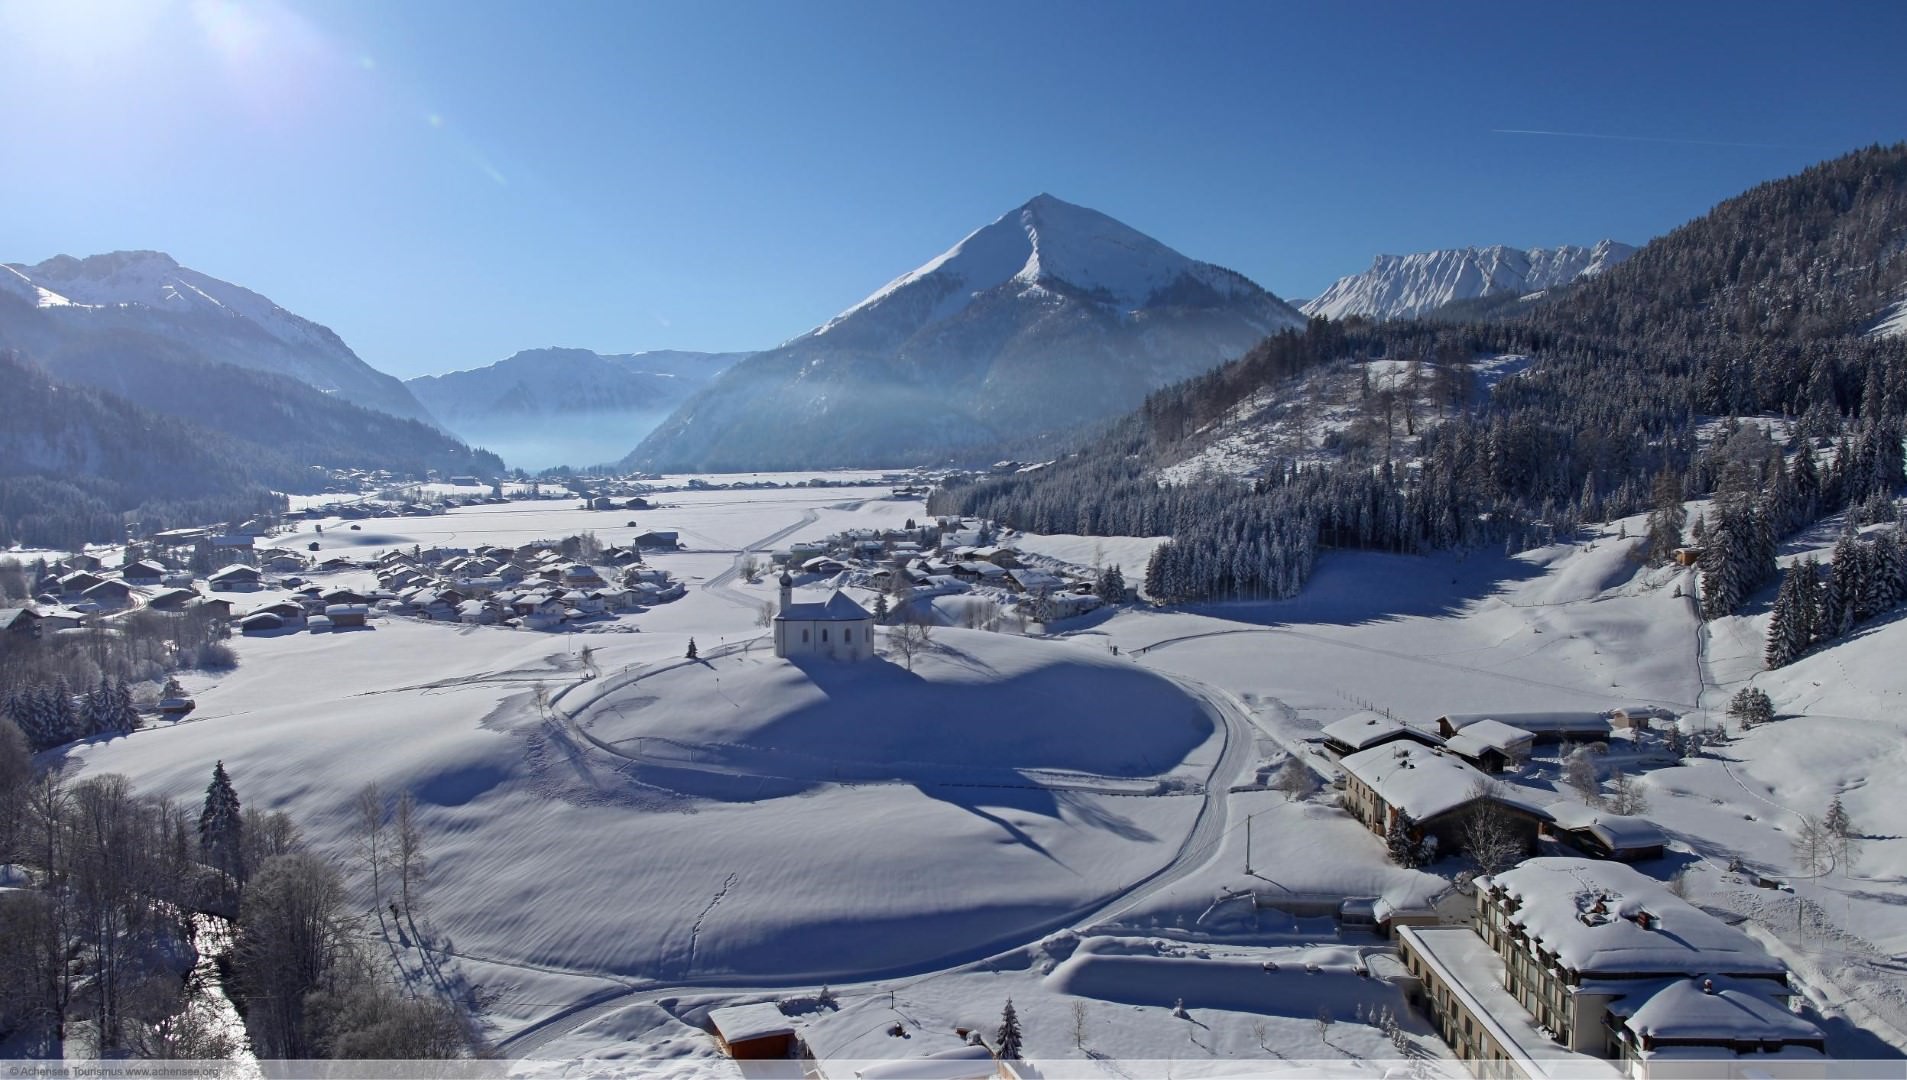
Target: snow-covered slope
pixel 1892 322
pixel 131 294
pixel 545 407
pixel 1402 286
pixel 1051 317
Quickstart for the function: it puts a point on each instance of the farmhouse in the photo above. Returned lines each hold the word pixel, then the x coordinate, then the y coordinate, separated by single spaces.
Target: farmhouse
pixel 346 615
pixel 1438 790
pixel 1542 726
pixel 1491 745
pixel 78 582
pixel 110 594
pixel 143 572
pixel 259 622
pixel 1363 730
pixel 172 599
pixel 1579 957
pixel 839 628
pixel 23 621
pixel 753 1032
pixel 657 541
pixel 235 576
pixel 1604 835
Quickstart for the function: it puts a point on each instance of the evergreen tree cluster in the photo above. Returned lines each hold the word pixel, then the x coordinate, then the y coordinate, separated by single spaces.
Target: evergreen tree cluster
pixel 1864 579
pixel 1758 308
pixel 52 715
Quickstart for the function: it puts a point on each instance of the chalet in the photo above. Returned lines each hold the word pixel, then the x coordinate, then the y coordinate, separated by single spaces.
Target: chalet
pixel 217 605
pixel 347 615
pixel 143 572
pixel 284 563
pixel 54 620
pixel 1035 581
pixel 1491 745
pixel 1604 835
pixel 476 613
pixel 602 502
pixel 837 628
pixel 1363 730
pixel 235 577
pixel 581 576
pixel 237 541
pixel 78 582
pixel 464 481
pixel 344 596
pixel 1542 726
pixel 753 1032
pixel 1437 790
pixel 259 622
pixel 290 612
pixel 823 565
pixel 80 561
pixel 172 599
pixel 975 572
pixel 336 563
pixel 23 621
pixel 657 541
pixel 109 595
pixel 1640 717
pixel 176 706
pixel 1573 963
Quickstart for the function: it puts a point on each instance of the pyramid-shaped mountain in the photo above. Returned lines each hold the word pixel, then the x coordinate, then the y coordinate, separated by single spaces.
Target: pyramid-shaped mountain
pixel 1050 318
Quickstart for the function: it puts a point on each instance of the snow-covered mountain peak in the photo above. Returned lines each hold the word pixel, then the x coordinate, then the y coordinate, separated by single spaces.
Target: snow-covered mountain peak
pixel 150 293
pixel 1051 244
pixel 1403 286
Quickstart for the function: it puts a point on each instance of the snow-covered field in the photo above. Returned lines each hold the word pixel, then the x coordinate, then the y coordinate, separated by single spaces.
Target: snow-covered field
pixel 1050 820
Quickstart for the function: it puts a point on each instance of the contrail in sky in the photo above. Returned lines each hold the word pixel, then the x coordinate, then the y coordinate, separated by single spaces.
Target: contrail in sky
pixel 1645 138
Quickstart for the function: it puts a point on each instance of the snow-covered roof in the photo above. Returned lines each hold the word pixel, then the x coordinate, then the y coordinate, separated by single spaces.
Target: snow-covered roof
pixel 740 1023
pixel 1537 723
pixel 1704 1008
pixel 1560 898
pixel 236 570
pixel 1617 832
pixel 1420 780
pixel 837 608
pixel 1361 729
pixel 1474 739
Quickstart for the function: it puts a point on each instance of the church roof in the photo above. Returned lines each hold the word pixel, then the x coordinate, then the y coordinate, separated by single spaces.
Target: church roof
pixel 837 608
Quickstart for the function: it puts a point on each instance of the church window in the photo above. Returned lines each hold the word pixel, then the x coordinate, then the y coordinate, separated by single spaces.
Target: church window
pixel 804 637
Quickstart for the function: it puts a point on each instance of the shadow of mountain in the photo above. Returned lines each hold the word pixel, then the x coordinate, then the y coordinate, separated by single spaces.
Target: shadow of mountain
pixel 1350 588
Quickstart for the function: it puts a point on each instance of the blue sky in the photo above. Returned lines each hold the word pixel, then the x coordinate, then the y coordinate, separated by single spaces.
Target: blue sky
pixel 445 183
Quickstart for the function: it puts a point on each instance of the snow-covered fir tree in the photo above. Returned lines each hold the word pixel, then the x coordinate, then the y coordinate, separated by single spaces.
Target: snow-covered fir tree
pixel 221 839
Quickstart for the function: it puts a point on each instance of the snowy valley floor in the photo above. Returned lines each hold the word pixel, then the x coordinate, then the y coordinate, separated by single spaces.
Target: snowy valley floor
pixel 1047 819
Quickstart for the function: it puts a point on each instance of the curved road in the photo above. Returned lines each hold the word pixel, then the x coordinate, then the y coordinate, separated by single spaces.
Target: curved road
pixel 1199 846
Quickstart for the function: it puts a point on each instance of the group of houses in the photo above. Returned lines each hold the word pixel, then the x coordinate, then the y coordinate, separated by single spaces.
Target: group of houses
pixel 947 556
pixel 1432 780
pixel 80 592
pixel 536 586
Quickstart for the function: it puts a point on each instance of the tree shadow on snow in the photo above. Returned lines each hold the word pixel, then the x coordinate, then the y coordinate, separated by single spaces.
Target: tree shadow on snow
pixel 1352 588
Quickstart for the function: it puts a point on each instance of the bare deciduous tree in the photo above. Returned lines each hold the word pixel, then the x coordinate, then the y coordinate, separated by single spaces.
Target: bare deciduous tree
pixel 407 852
pixel 1490 835
pixel 910 639
pixel 371 844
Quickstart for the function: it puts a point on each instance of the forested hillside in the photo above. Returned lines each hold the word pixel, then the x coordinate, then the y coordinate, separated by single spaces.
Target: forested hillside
pixel 1756 308
pixel 74 461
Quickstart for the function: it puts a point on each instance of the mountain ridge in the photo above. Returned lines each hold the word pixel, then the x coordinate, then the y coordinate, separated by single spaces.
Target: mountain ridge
pixel 149 292
pixel 1406 286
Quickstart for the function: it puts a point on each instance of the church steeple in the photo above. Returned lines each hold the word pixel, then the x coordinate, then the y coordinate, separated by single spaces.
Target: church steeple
pixel 787 590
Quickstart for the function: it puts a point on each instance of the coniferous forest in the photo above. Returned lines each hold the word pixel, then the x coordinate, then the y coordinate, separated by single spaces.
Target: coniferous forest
pixel 1758 309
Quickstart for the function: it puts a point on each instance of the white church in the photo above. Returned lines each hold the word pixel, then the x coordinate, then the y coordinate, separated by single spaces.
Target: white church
pixel 838 629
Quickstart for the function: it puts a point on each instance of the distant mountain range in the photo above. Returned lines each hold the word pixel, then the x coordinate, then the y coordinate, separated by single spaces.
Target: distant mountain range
pixel 1048 319
pixel 545 407
pixel 128 363
pixel 1406 286
pixel 146 294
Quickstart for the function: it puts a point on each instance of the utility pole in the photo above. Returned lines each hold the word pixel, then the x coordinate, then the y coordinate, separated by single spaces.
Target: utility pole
pixel 1248 818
